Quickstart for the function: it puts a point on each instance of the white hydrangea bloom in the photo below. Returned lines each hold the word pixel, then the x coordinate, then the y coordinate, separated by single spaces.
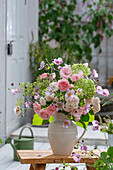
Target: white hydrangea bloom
pixel 54 86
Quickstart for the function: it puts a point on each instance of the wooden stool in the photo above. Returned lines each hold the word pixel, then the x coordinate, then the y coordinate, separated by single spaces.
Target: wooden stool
pixel 39 158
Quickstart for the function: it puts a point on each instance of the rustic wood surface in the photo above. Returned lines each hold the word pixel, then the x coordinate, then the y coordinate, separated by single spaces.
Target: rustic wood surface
pixel 46 156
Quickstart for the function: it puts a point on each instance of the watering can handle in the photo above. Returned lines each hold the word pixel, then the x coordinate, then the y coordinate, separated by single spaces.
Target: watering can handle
pixel 81 135
pixel 23 129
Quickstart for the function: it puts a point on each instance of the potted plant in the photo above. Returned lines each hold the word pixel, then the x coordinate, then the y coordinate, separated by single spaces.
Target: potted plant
pixel 65 95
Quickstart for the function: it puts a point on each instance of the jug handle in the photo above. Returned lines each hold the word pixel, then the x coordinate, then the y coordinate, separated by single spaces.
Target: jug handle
pixel 81 135
pixel 23 129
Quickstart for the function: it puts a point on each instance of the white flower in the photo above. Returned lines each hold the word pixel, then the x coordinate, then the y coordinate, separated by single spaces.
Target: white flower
pixel 49 97
pixel 70 105
pixel 54 86
pixel 75 99
pixel 55 99
pixel 96 104
pixel 42 101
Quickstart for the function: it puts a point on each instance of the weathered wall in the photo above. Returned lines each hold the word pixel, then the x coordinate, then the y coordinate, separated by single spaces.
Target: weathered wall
pixel 104 62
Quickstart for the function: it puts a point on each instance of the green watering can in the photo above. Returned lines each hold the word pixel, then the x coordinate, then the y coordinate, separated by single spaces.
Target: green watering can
pixel 22 143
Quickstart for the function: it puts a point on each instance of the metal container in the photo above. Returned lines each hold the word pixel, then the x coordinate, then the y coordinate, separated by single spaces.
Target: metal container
pixel 22 143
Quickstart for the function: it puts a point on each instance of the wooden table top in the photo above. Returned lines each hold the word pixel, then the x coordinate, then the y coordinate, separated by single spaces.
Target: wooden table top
pixel 46 156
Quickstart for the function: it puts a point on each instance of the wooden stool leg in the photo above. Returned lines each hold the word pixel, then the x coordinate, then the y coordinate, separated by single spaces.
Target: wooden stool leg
pixel 90 167
pixel 31 167
pixel 38 167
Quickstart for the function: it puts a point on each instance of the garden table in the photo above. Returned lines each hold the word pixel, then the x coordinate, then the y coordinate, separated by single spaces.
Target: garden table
pixel 39 158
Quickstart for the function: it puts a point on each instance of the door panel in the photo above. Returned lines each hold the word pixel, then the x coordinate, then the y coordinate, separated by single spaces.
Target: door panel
pixel 16 63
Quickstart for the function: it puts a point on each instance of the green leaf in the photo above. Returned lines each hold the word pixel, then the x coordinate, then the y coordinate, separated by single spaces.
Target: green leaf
pixel 103 155
pixel 51 119
pixel 85 118
pixel 109 160
pixel 37 120
pixel 107 102
pixel 82 124
pixel 73 168
pixel 64 163
pixel 67 165
pixel 1 141
pixel 110 151
pixel 44 121
pixel 91 115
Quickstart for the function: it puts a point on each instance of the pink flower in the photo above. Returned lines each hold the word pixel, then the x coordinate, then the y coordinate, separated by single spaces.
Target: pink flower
pixel 27 104
pixel 69 95
pixel 59 67
pixel 44 75
pixel 41 65
pixel 15 91
pixel 85 109
pixel 66 123
pixel 77 158
pixel 76 114
pixel 42 101
pixel 36 107
pixel 59 106
pixel 51 110
pixel 94 73
pixel 66 72
pixel 105 92
pixel 17 109
pixel 95 128
pixel 84 148
pixel 63 84
pixel 81 74
pixel 75 77
pixel 44 114
pixel 99 90
pixel 52 76
pixel 36 96
pixel 95 125
pixel 50 96
pixel 58 61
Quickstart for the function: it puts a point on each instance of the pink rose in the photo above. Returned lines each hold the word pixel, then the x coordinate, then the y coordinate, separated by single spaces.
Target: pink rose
pixel 75 77
pixel 36 107
pixel 42 101
pixel 44 114
pixel 63 84
pixel 51 110
pixel 66 72
pixel 85 109
pixel 76 113
pixel 44 75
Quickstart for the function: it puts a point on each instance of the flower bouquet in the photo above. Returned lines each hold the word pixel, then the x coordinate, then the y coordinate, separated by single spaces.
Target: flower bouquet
pixel 72 90
pixel 65 96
